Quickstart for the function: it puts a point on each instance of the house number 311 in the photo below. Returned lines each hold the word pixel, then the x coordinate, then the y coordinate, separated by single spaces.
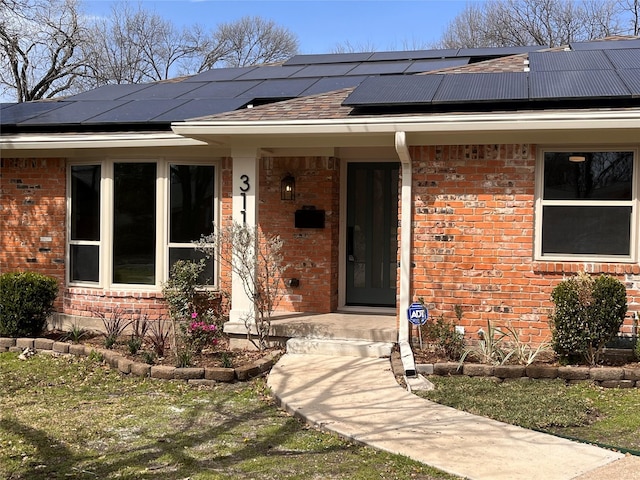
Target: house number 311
pixel 244 188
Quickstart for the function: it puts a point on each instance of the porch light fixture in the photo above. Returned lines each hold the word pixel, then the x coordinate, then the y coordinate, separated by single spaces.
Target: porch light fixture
pixel 577 158
pixel 288 188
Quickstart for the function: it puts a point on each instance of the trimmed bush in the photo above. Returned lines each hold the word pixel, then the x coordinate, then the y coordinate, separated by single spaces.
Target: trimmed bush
pixel 26 300
pixel 588 313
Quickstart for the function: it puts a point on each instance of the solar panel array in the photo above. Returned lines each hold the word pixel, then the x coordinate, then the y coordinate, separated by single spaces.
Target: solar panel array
pixel 580 74
pixel 590 70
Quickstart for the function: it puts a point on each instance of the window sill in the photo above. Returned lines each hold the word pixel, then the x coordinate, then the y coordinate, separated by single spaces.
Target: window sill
pixel 589 267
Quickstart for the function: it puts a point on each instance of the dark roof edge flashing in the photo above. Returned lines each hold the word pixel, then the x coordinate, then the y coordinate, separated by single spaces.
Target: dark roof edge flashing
pixel 75 128
pixel 493 106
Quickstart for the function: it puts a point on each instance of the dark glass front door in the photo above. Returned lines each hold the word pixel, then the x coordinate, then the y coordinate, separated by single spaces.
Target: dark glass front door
pixel 372 233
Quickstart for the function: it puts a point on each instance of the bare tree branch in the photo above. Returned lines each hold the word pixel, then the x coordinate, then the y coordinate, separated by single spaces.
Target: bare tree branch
pixel 39 41
pixel 501 23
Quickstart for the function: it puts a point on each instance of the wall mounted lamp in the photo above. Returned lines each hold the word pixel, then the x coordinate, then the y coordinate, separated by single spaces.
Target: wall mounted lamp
pixel 288 188
pixel 577 158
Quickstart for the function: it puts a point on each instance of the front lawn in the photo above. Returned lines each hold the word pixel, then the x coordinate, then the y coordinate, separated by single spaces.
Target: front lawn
pixel 69 417
pixel 608 416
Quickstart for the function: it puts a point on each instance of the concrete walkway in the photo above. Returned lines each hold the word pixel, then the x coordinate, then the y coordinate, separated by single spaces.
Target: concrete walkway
pixel 359 399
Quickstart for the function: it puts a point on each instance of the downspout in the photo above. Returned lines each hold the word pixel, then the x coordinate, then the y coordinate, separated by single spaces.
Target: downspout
pixel 406 232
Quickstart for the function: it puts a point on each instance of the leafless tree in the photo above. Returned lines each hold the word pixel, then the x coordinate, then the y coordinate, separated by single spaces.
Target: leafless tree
pixel 631 9
pixel 48 48
pixel 533 22
pixel 40 41
pixel 248 41
pixel 135 45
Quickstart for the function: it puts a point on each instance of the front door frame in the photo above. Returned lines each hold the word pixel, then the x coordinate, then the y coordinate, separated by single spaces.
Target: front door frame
pixel 342 242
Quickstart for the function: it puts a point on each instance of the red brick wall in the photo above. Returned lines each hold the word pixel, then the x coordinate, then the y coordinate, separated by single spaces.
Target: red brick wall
pixel 311 253
pixel 473 218
pixel 32 216
pixel 473 239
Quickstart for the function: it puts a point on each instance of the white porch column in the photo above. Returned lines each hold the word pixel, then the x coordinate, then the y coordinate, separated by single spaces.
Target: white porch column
pixel 244 211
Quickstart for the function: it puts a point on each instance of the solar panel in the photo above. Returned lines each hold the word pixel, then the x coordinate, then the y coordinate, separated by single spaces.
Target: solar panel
pixel 482 87
pixel 564 61
pixel 631 78
pixel 110 92
pixel 564 85
pixel 74 112
pixel 606 45
pixel 285 88
pixel 395 90
pixel 19 112
pixel 269 73
pixel 163 90
pixel 219 74
pixel 497 51
pixel 330 84
pixel 430 65
pixel 323 70
pixel 221 89
pixel 380 68
pixel 201 108
pixel 136 111
pixel 413 55
pixel 624 58
pixel 328 58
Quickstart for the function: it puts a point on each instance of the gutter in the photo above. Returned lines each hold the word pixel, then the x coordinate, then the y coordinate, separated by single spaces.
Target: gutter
pixel 406 354
pixel 438 123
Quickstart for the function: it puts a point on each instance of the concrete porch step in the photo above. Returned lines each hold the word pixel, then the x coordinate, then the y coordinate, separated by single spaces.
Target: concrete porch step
pixel 336 347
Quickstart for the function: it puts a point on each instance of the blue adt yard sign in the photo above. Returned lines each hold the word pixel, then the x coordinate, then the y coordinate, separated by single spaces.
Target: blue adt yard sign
pixel 417 314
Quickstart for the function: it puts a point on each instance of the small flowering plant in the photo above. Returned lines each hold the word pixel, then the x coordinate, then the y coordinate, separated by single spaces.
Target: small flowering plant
pixel 200 333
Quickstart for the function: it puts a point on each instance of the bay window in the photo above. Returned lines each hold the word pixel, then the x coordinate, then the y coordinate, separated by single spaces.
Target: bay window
pixel 587 205
pixel 130 221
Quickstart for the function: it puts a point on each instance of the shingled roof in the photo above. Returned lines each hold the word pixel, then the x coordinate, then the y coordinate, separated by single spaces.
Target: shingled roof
pixel 322 87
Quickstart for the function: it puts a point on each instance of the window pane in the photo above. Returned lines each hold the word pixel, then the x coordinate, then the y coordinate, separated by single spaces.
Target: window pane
pixel 134 223
pixel 191 202
pixel 85 202
pixel 586 230
pixel 84 263
pixel 175 254
pixel 601 176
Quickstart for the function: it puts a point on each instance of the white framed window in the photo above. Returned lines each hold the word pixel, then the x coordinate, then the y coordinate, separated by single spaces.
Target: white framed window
pixel 586 205
pixel 130 220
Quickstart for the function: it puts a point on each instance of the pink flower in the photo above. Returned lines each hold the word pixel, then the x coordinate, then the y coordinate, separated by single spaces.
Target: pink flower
pixel 194 315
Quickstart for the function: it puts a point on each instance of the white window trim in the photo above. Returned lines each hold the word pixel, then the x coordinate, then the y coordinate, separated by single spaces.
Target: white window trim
pixel 105 243
pixel 166 211
pixel 71 242
pixel 540 203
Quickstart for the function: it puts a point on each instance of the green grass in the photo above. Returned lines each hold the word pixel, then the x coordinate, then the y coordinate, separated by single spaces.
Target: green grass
pixel 584 411
pixel 74 418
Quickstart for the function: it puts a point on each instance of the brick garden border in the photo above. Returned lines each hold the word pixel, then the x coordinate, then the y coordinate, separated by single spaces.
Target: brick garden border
pixel 192 375
pixel 607 377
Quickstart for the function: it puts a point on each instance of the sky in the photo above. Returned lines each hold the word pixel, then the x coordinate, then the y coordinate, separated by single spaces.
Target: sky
pixel 320 25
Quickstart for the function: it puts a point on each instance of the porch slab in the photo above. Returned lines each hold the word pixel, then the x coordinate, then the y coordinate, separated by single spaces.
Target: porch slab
pixel 335 326
pixel 353 348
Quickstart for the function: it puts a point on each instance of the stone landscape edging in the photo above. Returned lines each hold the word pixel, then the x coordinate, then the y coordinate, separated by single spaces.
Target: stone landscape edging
pixel 192 375
pixel 607 377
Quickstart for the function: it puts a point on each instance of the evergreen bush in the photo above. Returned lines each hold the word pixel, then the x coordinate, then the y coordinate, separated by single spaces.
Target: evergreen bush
pixel 26 300
pixel 588 313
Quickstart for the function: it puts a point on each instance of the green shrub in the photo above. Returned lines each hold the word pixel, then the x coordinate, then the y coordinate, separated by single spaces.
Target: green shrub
pixel 26 300
pixel 588 313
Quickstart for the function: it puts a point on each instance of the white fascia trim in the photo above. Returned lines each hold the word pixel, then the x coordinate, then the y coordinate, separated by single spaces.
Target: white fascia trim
pixel 510 121
pixel 36 141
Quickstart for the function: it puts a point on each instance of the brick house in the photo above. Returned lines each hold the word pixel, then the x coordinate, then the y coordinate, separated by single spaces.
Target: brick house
pixel 478 177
